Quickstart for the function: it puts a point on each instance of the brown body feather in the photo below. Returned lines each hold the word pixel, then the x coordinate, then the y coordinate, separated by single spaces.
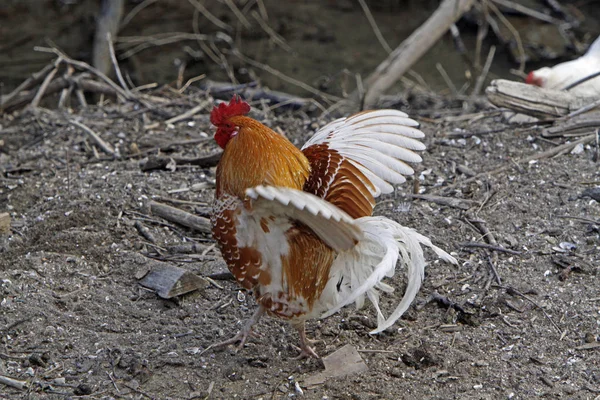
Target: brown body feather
pixel 339 182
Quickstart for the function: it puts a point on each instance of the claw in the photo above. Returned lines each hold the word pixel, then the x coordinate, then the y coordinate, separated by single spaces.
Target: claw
pixel 305 350
pixel 241 336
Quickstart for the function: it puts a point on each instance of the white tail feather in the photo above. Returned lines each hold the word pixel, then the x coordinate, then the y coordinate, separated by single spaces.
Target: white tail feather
pixel 368 250
pixel 361 269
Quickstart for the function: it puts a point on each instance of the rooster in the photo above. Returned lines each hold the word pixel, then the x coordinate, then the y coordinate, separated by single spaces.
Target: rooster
pixel 296 226
pixel 565 74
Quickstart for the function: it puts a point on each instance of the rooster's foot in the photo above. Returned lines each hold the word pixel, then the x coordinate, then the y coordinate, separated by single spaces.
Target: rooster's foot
pixel 242 336
pixel 305 350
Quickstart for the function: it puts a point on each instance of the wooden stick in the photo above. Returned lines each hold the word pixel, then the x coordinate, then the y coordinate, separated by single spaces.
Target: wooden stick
pixel 528 11
pixel 514 32
pixel 180 217
pixel 65 95
pixel 87 67
pixel 374 26
pixel 203 10
pixel 33 80
pixel 239 15
pixel 484 72
pixel 462 204
pixel 412 49
pixel 135 12
pixel 13 382
pixel 106 147
pixel 4 223
pixel 275 37
pixel 490 247
pixel 189 113
pixel 113 59
pixel 282 76
pixel 160 162
pixel 533 100
pixel 44 86
pixel 59 84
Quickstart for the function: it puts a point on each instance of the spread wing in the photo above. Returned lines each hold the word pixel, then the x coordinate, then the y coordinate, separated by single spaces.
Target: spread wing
pixel 355 159
pixel 332 225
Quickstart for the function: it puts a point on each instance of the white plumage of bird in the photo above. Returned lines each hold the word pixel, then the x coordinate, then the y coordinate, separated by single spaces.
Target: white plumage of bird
pixel 564 74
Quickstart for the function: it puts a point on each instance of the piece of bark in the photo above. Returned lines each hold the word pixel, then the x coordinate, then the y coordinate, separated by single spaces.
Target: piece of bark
pixel 533 100
pixel 170 281
pixel 4 223
pixel 180 217
pixel 342 362
pixel 577 126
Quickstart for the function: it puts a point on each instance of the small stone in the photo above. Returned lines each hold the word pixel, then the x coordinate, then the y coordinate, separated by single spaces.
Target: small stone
pixel 82 390
pixel 37 360
pixel 59 381
pixel 590 337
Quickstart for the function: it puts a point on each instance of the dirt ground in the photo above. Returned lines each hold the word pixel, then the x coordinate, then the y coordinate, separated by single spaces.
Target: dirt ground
pixel 75 320
pixel 519 322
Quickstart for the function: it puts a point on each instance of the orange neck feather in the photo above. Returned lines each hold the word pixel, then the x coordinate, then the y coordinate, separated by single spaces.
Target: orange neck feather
pixel 259 156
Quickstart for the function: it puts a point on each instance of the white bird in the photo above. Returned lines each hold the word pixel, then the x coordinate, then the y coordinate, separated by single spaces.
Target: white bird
pixel 564 74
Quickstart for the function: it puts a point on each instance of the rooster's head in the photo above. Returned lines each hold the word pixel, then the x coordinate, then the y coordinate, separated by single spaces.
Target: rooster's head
pixel 221 118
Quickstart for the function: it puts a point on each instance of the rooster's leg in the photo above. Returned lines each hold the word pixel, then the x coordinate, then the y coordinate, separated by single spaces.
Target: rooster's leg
pixel 305 350
pixel 242 336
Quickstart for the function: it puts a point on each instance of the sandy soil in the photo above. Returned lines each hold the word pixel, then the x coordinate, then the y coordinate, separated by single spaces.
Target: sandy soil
pixel 76 321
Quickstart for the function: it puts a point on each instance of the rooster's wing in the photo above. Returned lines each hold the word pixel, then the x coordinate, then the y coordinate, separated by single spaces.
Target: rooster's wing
pixel 355 159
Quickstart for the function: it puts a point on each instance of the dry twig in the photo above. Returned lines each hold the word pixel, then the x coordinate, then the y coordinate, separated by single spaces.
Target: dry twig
pixel 204 11
pixel 113 58
pixel 106 147
pixel 374 26
pixel 189 113
pixel 180 217
pixel 239 15
pixel 44 86
pixel 484 72
pixel 275 37
pixel 490 247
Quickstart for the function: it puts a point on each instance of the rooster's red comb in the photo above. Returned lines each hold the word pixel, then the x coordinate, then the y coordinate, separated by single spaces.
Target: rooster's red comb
pixel 224 111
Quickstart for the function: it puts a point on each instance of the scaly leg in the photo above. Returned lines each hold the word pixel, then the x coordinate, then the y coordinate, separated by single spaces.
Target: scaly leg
pixel 305 350
pixel 242 336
